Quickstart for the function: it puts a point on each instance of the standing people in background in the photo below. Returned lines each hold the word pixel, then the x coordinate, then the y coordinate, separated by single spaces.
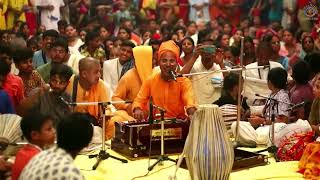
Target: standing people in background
pixel 43 56
pixel 31 19
pixel 199 9
pixel 288 16
pixel 16 12
pixel 3 9
pixel 50 12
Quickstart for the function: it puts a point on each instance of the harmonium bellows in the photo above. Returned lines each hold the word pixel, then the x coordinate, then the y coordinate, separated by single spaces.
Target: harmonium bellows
pixel 132 139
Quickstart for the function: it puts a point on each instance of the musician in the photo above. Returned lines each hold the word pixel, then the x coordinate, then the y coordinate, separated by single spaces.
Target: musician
pixel 129 85
pixel 176 97
pixel 88 87
pixel 264 52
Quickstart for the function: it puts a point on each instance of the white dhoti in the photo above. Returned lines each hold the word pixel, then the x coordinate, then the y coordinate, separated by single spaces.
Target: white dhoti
pixel 248 136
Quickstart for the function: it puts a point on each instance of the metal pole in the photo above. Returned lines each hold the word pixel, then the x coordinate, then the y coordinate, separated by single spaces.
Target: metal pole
pixel 239 107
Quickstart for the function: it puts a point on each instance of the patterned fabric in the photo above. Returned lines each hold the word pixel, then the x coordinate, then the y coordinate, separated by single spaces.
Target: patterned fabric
pixel 54 163
pixel 291 149
pixel 280 108
pixel 32 82
pixel 98 53
pixel 309 164
pixel 127 66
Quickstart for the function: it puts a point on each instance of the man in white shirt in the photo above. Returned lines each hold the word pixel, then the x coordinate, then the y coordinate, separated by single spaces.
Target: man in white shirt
pixel 114 69
pixel 207 87
pixel 50 12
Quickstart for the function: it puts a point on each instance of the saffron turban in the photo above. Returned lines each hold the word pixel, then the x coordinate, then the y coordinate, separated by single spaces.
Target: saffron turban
pixel 169 46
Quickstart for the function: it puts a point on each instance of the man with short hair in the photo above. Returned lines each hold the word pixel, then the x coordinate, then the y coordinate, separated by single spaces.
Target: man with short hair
pixel 57 162
pixel 88 87
pixel 59 55
pixel 50 101
pixel 43 56
pixel 114 69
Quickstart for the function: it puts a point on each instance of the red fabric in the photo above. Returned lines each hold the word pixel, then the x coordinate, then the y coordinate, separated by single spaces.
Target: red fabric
pixel 13 86
pixel 302 3
pixel 291 149
pixel 184 10
pixel 23 156
pixel 31 21
pixel 136 38
pixel 180 62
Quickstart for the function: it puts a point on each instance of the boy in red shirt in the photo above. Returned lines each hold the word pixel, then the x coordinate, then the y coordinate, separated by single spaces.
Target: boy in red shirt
pixel 38 129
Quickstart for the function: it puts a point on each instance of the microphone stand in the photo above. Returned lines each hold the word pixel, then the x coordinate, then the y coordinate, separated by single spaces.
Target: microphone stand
pixel 162 157
pixel 103 155
pixel 273 149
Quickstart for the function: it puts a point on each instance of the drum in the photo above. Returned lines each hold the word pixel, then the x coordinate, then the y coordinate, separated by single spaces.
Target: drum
pixel 208 150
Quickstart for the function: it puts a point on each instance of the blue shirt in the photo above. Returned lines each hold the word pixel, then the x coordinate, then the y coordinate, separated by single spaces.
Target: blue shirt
pixel 6 106
pixel 39 58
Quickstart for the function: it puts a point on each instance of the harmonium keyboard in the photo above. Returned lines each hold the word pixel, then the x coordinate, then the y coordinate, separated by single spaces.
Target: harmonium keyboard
pixel 132 139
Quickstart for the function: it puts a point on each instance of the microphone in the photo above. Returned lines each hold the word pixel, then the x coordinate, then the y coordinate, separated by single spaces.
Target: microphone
pixel 174 76
pixel 299 105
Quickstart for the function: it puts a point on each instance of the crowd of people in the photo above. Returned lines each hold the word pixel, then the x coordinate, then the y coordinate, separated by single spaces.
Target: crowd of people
pixel 54 52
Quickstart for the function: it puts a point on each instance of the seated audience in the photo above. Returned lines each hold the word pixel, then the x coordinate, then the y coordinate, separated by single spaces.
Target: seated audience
pixel 31 78
pixel 38 129
pixel 57 162
pixel 302 90
pixel 50 101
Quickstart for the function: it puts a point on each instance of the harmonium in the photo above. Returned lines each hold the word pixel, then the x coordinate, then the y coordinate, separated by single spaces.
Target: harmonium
pixel 133 139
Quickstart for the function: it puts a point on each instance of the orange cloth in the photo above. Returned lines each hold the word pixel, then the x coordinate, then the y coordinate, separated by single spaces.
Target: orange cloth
pixel 98 93
pixel 309 164
pixel 143 61
pixel 173 96
pixel 169 46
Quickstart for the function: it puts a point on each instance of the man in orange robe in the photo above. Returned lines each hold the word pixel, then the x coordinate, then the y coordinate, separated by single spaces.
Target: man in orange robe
pixel 176 97
pixel 90 88
pixel 129 85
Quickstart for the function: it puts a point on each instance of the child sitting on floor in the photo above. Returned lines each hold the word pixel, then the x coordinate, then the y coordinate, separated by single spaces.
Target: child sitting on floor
pixel 39 131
